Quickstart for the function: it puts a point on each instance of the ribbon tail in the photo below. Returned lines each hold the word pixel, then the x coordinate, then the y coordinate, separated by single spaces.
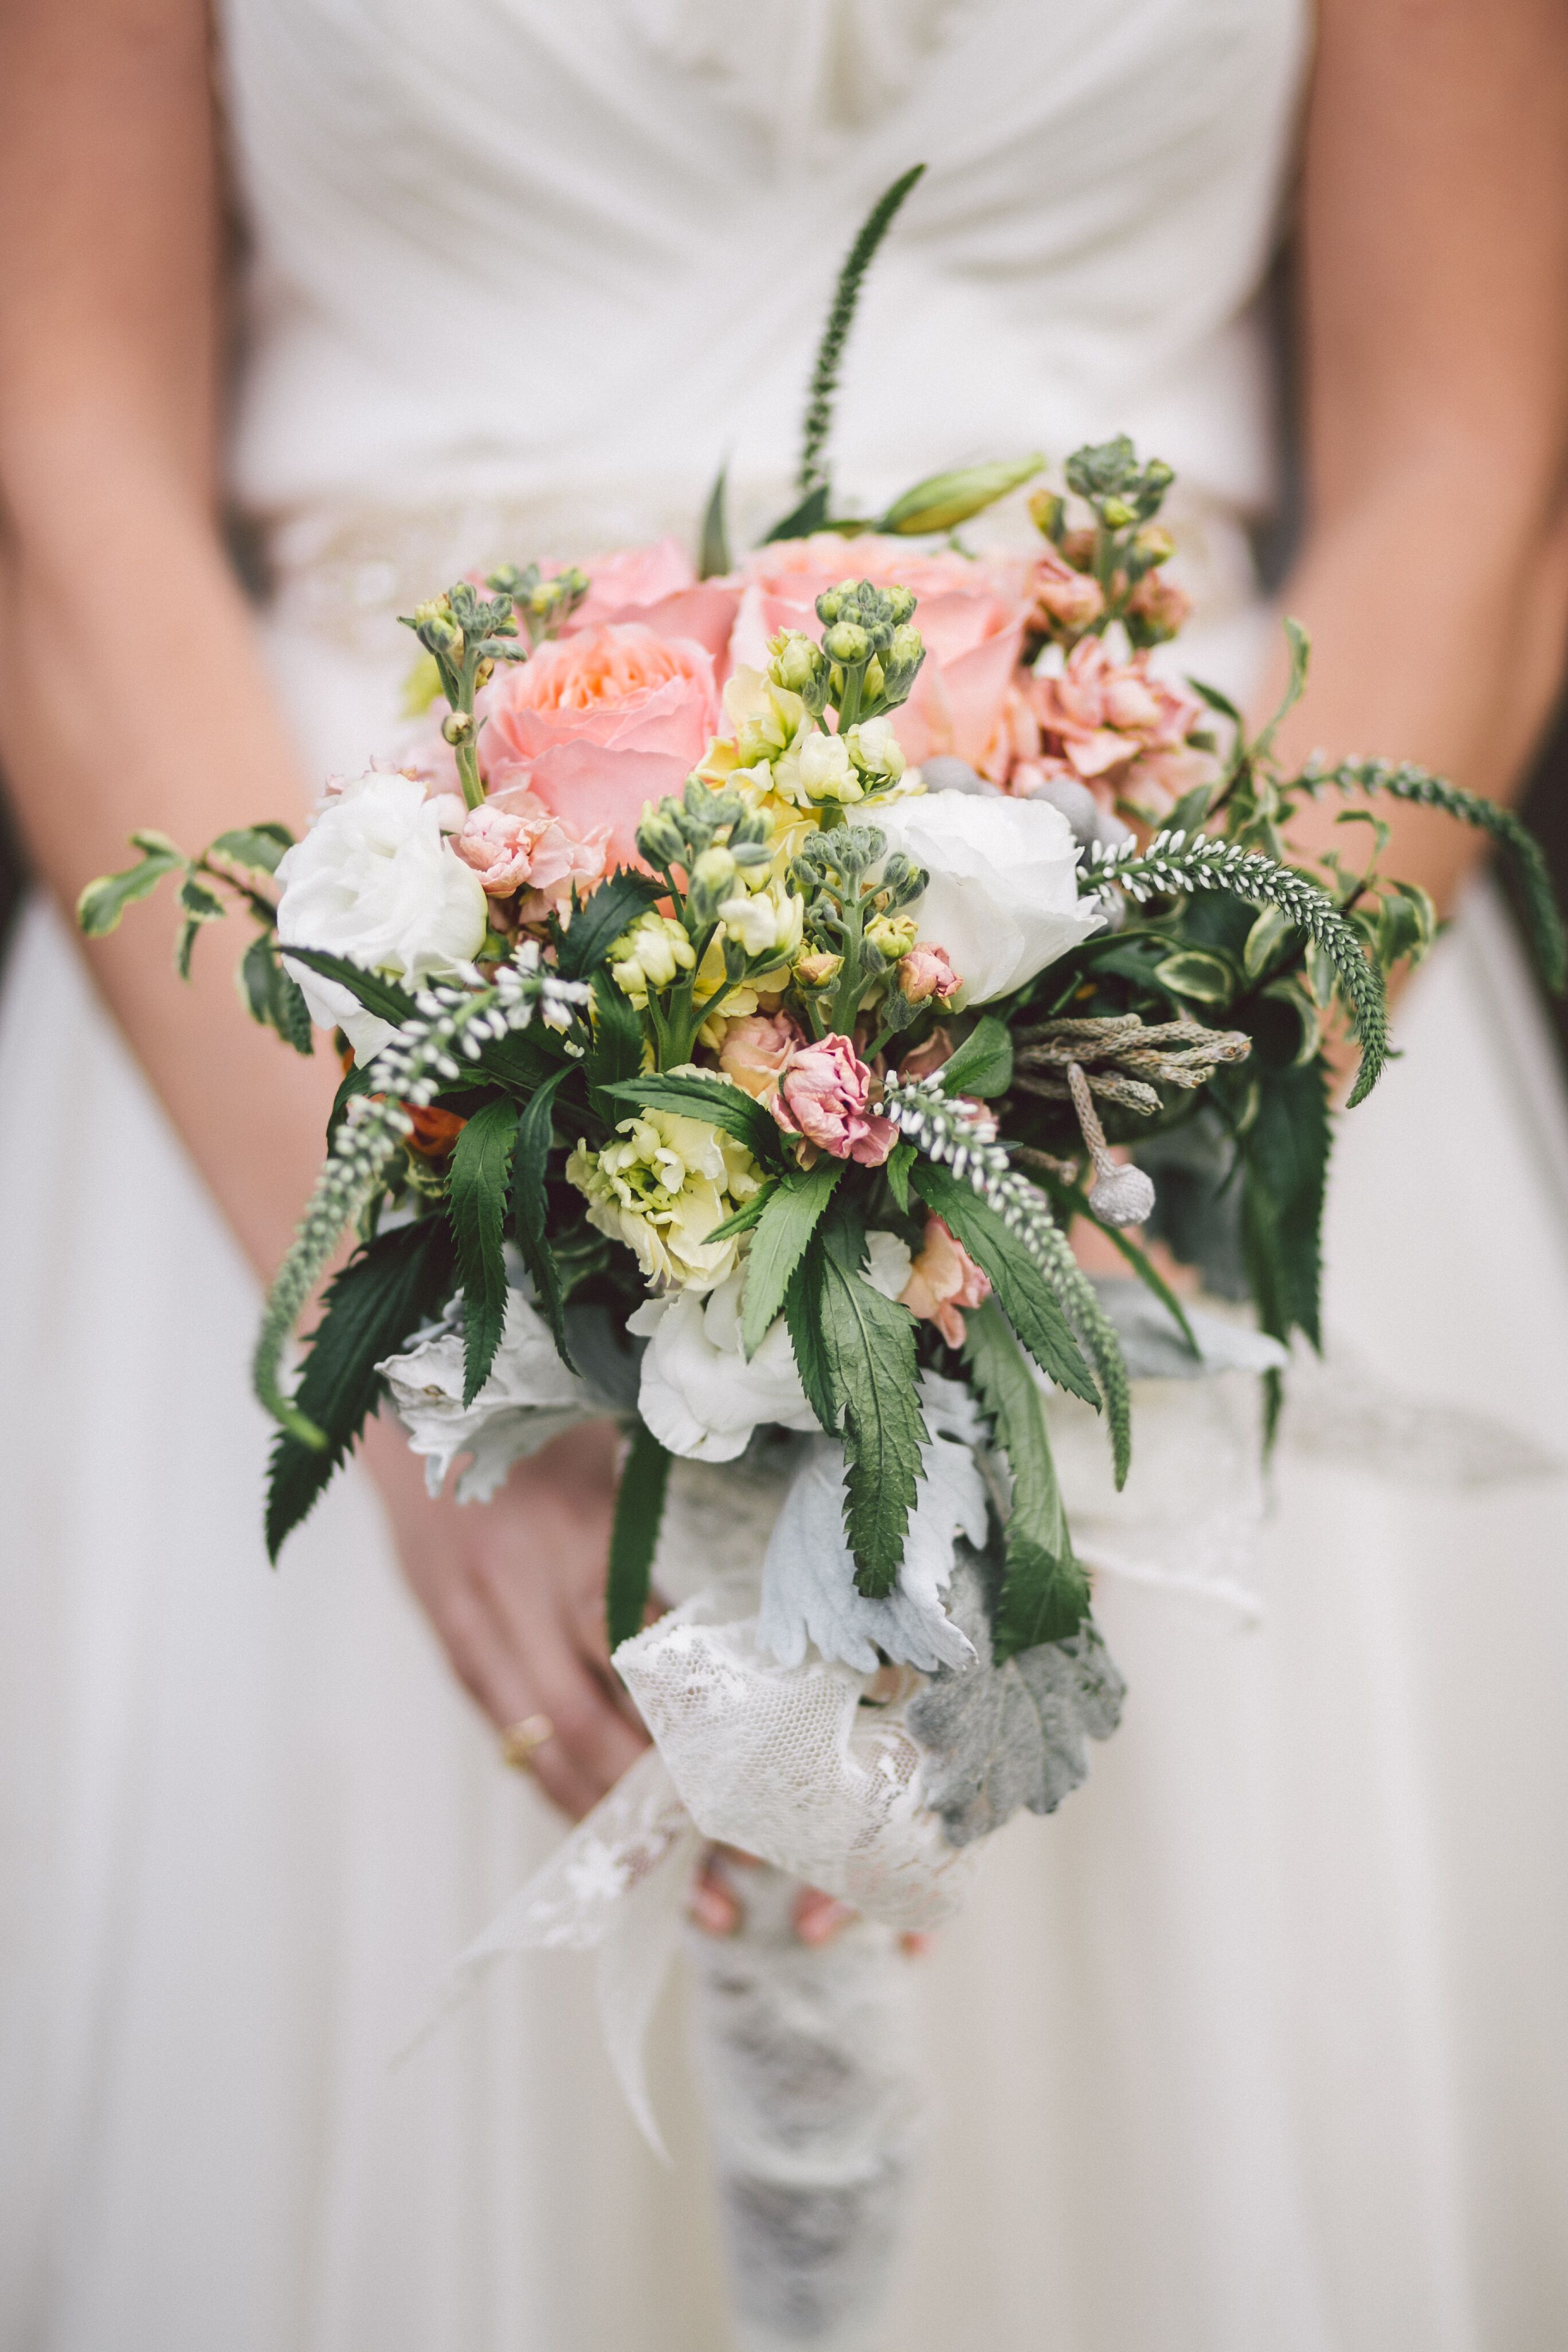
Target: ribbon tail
pixel 631 1966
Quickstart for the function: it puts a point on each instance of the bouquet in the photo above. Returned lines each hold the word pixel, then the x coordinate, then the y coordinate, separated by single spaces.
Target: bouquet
pixel 744 975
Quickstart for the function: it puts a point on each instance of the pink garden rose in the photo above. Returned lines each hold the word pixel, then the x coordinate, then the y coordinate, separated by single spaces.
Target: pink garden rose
pixel 825 1096
pixel 756 1052
pixel 970 615
pixel 1118 722
pixel 943 1279
pixel 657 586
pixel 926 972
pixel 598 724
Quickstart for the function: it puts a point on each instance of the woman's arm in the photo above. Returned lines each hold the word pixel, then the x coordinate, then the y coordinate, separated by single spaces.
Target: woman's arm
pixel 1434 241
pixel 132 694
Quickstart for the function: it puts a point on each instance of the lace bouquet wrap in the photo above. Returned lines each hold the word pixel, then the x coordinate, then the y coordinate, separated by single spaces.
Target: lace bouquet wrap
pixel 744 975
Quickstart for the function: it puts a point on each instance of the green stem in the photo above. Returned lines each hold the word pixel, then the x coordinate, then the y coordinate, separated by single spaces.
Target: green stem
pixel 468 775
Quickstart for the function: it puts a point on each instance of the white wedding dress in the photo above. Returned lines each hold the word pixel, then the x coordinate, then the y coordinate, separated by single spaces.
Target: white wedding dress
pixel 1260 2045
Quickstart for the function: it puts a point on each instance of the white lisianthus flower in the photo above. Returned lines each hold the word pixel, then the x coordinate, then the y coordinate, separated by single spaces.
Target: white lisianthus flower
pixel 529 1398
pixel 661 1188
pixel 375 880
pixel 699 1396
pixel 1003 897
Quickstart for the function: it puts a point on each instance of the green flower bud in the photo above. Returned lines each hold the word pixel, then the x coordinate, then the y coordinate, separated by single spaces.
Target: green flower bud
pixel 712 879
pixel 661 839
pixel 847 642
pixel 834 601
pixel 892 936
pixel 945 500
pixel 797 664
pixel 457 726
pixel 1046 510
pixel 1116 514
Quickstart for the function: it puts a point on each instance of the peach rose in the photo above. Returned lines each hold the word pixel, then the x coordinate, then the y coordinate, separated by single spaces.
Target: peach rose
pixel 970 614
pixel 757 1050
pixel 598 724
pixel 657 586
pixel 943 1279
pixel 921 1060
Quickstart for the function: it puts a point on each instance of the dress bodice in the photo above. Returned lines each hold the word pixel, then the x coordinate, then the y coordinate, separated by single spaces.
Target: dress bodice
pixel 578 255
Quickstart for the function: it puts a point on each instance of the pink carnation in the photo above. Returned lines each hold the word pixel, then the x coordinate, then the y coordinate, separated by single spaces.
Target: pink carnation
pixel 927 971
pixel 825 1096
pixel 970 615
pixel 756 1052
pixel 1118 721
pixel 513 841
pixel 598 724
pixel 943 1279
pixel 1065 599
pixel 657 586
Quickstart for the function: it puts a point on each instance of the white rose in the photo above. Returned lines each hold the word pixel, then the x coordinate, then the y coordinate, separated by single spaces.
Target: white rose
pixel 699 1396
pixel 373 879
pixel 1003 897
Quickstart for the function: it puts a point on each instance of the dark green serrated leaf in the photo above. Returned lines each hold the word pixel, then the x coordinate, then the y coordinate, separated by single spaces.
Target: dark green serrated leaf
pixel 869 1343
pixel 617 1051
pixel 1021 1288
pixel 1285 1160
pixel 895 1168
pixel 1044 1592
pixel 803 1316
pixel 793 1211
pixel 743 1219
pixel 717 1101
pixel 379 1301
pixel 983 1065
pixel 581 944
pixel 103 903
pixel 634 1537
pixel 530 1206
pixel 476 1203
pixel 378 994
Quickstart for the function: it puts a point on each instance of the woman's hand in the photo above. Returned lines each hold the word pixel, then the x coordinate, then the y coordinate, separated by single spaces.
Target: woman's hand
pixel 515 1591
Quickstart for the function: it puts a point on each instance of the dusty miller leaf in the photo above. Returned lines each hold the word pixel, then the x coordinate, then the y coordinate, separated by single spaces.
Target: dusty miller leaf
pixel 998 1738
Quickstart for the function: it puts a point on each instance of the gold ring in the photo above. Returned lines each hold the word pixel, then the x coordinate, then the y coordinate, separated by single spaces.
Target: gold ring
pixel 519 1741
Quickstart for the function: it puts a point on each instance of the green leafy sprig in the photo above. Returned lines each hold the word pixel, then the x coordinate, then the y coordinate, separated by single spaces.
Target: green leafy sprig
pixel 1175 863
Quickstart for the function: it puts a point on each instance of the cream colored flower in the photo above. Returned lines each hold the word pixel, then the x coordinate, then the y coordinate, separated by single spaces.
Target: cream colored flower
pixel 819 768
pixel 661 1188
pixel 768 921
pixel 649 955
pixel 876 752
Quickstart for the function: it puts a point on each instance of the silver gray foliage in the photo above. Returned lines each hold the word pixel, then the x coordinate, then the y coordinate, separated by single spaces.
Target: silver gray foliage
pixel 998 1738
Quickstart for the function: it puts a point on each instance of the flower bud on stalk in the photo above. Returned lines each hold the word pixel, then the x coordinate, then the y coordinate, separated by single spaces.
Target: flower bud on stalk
pixel 712 879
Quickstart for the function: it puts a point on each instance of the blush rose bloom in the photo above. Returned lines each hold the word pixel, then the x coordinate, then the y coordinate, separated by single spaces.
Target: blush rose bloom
pixel 825 1096
pixel 757 1050
pixel 943 1279
pixel 598 724
pixel 376 880
pixel 970 614
pixel 657 586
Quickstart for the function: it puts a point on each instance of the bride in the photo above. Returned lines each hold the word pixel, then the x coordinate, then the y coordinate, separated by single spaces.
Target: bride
pixel 1260 2041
